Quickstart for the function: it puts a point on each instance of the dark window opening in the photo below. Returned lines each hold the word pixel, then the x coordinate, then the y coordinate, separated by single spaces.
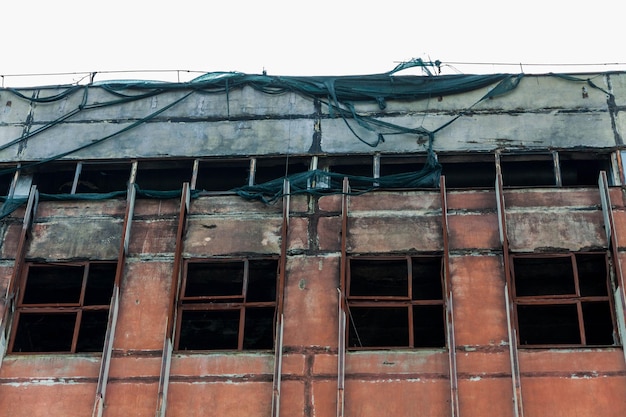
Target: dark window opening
pixel 6 179
pixel 563 300
pixel 228 305
pixel 580 170
pixel 527 172
pixel 361 166
pixel 392 165
pixel 163 175
pixel 222 175
pixel 103 178
pixel 270 169
pixel 469 174
pixel 54 178
pixel 63 308
pixel 395 302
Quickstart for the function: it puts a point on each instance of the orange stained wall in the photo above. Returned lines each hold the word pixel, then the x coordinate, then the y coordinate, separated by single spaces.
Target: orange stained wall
pixel 402 382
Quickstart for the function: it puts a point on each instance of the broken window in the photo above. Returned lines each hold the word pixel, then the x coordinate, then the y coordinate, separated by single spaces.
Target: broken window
pixel 6 179
pixel 222 175
pixel 583 168
pixel 479 171
pixel 54 177
pixel 163 175
pixel 563 299
pixel 527 170
pixel 395 302
pixel 101 177
pixel 269 169
pixel 227 305
pixel 63 308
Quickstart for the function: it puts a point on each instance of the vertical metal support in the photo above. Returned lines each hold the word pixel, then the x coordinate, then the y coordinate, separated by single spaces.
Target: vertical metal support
pixel 13 287
pixel 278 349
pixel 557 169
pixel 447 282
pixel 252 172
pixel 613 246
pixel 107 351
pixel 518 410
pixel 79 169
pixel 194 173
pixel 164 375
pixel 103 376
pixel 342 332
pixel 170 320
pixel 278 367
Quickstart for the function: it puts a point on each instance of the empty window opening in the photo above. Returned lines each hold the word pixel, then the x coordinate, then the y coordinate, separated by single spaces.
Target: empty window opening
pixel 63 308
pixel 527 171
pixel 269 169
pixel 395 302
pixel 582 170
pixel 228 305
pixel 54 178
pixel 6 179
pixel 361 166
pixel 163 175
pixel 222 175
pixel 392 165
pixel 469 174
pixel 563 300
pixel 103 178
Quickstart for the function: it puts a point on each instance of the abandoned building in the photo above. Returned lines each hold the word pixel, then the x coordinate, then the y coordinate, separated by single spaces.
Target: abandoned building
pixel 359 246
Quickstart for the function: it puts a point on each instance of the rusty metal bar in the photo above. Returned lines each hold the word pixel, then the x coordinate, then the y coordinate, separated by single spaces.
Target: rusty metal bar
pixel 278 352
pixel 103 376
pixel 613 246
pixel 13 287
pixel 447 282
pixel 105 364
pixel 518 410
pixel 178 254
pixel 278 367
pixel 341 345
pixel 170 320
pixel 164 375
pixel 341 352
pixel 284 245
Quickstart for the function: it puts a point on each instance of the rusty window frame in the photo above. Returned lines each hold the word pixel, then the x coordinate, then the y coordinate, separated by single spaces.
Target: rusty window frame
pixel 79 307
pixel 226 304
pixel 555 300
pixel 406 301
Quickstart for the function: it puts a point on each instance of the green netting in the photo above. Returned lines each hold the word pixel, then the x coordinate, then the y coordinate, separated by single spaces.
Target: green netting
pixel 319 182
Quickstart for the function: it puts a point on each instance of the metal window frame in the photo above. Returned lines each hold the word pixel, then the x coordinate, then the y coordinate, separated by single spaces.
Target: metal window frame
pixel 562 299
pixel 55 308
pixel 407 301
pixel 222 303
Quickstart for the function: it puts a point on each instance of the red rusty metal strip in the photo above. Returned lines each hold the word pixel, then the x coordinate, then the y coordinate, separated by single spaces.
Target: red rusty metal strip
pixel 278 349
pixel 447 282
pixel 518 409
pixel 341 349
pixel 612 242
pixel 278 367
pixel 103 375
pixel 284 245
pixel 341 352
pixel 164 376
pixel 178 254
pixel 13 287
pixel 166 355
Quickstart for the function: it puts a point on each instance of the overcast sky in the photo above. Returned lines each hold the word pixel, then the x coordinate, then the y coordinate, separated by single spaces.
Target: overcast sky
pixel 322 37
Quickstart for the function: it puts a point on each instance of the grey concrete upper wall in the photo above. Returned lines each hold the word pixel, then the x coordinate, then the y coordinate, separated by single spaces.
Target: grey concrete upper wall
pixel 543 112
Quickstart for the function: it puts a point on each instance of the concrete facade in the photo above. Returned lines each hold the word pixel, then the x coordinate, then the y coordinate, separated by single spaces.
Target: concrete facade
pixel 483 368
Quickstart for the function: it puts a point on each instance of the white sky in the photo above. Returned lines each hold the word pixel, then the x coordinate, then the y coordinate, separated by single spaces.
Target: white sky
pixel 322 37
